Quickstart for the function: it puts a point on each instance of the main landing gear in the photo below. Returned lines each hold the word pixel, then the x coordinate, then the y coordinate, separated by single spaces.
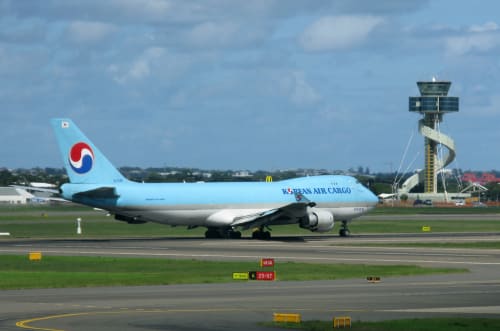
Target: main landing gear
pixel 344 231
pixel 230 233
pixel 222 233
pixel 261 234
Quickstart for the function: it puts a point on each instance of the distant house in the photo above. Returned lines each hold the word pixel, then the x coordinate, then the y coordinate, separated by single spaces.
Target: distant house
pixel 484 179
pixel 242 174
pixel 11 195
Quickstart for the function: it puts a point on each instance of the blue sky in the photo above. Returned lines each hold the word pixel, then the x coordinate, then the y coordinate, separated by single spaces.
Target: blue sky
pixel 247 84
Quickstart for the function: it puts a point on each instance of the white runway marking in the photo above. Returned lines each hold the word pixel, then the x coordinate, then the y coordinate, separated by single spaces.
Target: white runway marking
pixel 461 310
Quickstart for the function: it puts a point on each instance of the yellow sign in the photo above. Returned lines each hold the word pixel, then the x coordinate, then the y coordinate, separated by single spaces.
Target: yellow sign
pixel 342 322
pixel 269 179
pixel 288 318
pixel 240 275
pixel 35 256
pixel 426 229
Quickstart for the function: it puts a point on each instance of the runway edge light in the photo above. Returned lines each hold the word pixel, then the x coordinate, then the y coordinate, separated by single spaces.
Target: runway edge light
pixel 373 279
pixel 79 225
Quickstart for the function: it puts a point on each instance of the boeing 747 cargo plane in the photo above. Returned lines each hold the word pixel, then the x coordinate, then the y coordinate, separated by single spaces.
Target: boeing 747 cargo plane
pixel 223 208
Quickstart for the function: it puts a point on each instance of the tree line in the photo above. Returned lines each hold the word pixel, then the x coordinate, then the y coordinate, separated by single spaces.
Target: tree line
pixel 378 182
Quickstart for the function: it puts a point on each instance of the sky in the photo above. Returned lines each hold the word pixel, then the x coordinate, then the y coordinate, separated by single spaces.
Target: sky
pixel 257 85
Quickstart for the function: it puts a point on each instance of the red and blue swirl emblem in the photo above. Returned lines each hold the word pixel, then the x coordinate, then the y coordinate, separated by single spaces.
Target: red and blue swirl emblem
pixel 81 158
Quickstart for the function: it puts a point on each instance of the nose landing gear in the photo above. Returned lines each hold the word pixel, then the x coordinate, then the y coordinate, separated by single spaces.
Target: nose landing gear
pixel 344 231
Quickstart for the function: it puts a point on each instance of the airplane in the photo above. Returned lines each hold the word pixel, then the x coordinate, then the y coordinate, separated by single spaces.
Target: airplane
pixel 32 187
pixel 224 208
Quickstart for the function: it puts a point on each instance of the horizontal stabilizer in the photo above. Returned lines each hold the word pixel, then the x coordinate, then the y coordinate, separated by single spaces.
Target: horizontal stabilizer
pixel 105 192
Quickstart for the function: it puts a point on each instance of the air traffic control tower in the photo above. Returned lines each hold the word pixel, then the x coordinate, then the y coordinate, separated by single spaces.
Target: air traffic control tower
pixel 432 103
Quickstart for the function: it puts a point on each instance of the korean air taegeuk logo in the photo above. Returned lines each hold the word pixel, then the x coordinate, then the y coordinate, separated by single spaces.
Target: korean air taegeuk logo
pixel 81 158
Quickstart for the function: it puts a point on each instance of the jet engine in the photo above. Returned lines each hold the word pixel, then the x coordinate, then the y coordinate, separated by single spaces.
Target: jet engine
pixel 317 220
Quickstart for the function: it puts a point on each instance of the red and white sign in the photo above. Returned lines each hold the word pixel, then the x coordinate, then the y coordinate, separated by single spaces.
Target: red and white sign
pixel 267 262
pixel 265 275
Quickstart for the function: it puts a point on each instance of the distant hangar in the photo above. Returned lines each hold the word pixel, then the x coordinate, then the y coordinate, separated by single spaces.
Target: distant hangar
pixel 12 195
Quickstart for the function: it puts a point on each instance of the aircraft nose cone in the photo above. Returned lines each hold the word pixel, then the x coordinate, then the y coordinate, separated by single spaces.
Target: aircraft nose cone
pixel 371 198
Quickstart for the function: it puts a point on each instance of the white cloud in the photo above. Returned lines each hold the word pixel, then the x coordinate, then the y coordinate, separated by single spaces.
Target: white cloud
pixel 457 46
pixel 85 32
pixel 336 114
pixel 488 26
pixel 491 108
pixel 139 69
pixel 222 33
pixel 290 84
pixel 474 39
pixel 211 33
pixel 303 93
pixel 338 32
pixel 137 10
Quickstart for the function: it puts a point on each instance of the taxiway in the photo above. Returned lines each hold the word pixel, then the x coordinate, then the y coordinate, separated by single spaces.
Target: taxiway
pixel 244 304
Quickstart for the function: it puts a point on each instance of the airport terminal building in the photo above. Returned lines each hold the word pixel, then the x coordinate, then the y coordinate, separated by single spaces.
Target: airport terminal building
pixel 11 195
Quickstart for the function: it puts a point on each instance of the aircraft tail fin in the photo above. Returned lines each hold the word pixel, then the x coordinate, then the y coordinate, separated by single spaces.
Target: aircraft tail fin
pixel 84 162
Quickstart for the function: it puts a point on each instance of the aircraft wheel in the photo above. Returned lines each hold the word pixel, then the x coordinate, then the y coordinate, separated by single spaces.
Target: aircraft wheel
pixel 212 234
pixel 344 230
pixel 261 235
pixel 344 233
pixel 235 235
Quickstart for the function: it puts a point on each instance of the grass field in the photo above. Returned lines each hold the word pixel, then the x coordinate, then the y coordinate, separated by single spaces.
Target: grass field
pixel 430 324
pixel 388 210
pixel 415 226
pixel 18 272
pixel 60 222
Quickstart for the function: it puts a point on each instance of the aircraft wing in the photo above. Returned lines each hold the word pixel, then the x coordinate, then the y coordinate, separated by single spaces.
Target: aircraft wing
pixel 43 199
pixel 36 189
pixel 292 211
pixel 41 189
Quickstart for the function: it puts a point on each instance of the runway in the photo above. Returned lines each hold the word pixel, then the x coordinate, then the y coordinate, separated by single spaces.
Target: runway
pixel 244 304
pixel 311 249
